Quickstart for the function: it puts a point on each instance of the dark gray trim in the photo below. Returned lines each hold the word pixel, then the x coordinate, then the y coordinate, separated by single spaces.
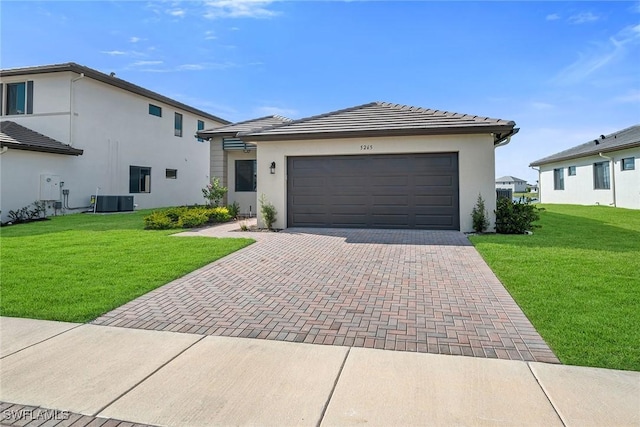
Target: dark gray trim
pixel 69 151
pixel 1 98
pixel 29 97
pixel 110 80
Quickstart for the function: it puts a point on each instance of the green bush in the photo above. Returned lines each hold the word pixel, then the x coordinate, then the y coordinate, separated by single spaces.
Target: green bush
pixel 515 217
pixel 194 217
pixel 268 212
pixel 159 221
pixel 234 209
pixel 479 216
pixel 185 217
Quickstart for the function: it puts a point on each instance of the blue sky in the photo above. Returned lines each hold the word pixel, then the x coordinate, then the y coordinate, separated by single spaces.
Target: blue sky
pixel 565 72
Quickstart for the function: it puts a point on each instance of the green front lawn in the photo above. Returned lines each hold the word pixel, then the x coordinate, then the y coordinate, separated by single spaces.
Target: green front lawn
pixel 77 267
pixel 578 280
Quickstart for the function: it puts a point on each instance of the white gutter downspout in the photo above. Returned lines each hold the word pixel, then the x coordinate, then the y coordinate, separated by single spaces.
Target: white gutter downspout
pixel 4 150
pixel 613 176
pixel 539 186
pixel 71 107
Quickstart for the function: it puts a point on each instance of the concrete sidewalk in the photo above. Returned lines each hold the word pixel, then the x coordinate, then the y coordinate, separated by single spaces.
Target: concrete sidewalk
pixel 98 375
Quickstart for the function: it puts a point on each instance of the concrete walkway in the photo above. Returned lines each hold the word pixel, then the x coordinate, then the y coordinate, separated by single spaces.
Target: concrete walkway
pixel 408 290
pixel 63 374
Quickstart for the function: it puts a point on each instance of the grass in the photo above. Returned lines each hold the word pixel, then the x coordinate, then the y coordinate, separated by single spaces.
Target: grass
pixel 75 268
pixel 577 278
pixel 526 195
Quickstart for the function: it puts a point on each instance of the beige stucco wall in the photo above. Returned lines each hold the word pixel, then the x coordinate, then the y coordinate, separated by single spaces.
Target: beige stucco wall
pixel 475 157
pixel 579 189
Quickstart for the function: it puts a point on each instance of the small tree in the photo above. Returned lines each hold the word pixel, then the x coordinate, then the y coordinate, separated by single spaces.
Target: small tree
pixel 214 192
pixel 268 212
pixel 515 217
pixel 479 216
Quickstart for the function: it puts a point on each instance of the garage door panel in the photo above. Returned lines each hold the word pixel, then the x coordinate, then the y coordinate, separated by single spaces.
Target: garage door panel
pixel 374 191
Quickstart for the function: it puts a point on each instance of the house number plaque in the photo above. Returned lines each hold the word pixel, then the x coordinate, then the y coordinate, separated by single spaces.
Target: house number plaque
pixel 366 147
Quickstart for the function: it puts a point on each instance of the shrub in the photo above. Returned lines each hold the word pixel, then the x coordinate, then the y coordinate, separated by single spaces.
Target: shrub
pixel 515 217
pixel 175 213
pixel 219 214
pixel 193 218
pixel 26 214
pixel 479 216
pixel 268 212
pixel 234 209
pixel 159 221
pixel 214 192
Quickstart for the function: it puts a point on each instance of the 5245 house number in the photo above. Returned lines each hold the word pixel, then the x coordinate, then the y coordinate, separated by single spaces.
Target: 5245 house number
pixel 366 147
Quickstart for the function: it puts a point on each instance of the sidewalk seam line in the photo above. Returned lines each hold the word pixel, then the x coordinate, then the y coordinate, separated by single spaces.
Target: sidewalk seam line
pixel 333 389
pixel 147 377
pixel 546 395
pixel 46 339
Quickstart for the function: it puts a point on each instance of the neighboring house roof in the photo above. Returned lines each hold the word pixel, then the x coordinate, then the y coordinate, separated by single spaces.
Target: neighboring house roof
pixel 246 126
pixel 623 139
pixel 509 178
pixel 108 79
pixel 384 119
pixel 13 135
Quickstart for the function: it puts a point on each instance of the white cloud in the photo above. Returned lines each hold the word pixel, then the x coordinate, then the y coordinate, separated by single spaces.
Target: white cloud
pixel 631 97
pixel 238 9
pixel 146 63
pixel 209 35
pixel 583 18
pixel 190 67
pixel 180 13
pixel 537 105
pixel 552 17
pixel 113 52
pixel 600 55
pixel 134 39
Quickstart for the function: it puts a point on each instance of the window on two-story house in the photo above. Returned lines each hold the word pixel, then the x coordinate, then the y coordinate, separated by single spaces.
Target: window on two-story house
pixel 17 98
pixel 154 110
pixel 628 164
pixel 246 175
pixel 200 127
pixel 177 124
pixel 601 179
pixel 558 179
pixel 171 173
pixel 571 171
pixel 139 179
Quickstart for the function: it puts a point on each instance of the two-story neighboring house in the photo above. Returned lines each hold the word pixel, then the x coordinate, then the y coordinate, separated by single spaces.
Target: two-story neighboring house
pixel 512 183
pixel 69 131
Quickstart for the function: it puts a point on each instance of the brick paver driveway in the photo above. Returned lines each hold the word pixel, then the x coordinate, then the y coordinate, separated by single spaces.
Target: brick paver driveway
pixel 426 291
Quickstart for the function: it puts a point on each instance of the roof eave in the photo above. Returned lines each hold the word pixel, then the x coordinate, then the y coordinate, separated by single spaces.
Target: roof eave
pixel 588 154
pixel 376 133
pixel 70 151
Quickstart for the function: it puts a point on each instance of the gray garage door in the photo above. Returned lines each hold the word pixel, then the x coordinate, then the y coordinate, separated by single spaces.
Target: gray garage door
pixel 374 191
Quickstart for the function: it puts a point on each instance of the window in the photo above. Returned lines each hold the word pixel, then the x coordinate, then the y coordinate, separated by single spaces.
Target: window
pixel 154 110
pixel 558 179
pixel 601 176
pixel 628 164
pixel 246 175
pixel 200 127
pixel 177 124
pixel 171 173
pixel 19 98
pixel 139 179
pixel 571 170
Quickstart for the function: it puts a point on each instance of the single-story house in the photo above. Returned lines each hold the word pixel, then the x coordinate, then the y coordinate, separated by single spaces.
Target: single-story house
pixel 603 171
pixel 377 165
pixel 512 183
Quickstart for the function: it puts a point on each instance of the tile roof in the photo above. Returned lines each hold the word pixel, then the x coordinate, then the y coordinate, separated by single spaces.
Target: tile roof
pixel 13 135
pixel 509 178
pixel 625 138
pixel 108 79
pixel 384 119
pixel 252 125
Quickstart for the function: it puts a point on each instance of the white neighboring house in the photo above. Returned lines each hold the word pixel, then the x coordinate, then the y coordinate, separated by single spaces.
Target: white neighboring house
pixel 512 183
pixel 377 165
pixel 68 130
pixel 604 171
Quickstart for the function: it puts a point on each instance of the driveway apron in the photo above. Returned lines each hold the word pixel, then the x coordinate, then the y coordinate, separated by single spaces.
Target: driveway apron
pixel 409 290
